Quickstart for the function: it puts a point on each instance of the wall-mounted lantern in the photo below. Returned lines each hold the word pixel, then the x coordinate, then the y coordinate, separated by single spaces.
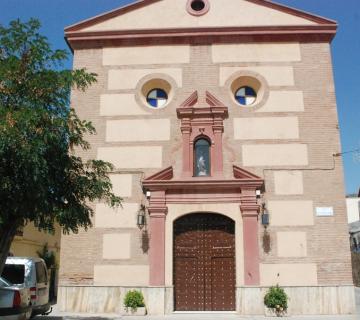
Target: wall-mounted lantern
pixel 265 217
pixel 141 218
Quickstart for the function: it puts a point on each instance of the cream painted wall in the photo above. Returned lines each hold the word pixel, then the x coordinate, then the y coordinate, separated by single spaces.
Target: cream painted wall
pixel 123 79
pixel 291 213
pixel 232 211
pixel 122 184
pixel 256 52
pixel 275 155
pixel 291 244
pixel 138 130
pixel 122 217
pixel 288 182
pixel 296 274
pixel 121 275
pixel 146 55
pixel 284 101
pixel 120 105
pixel 275 76
pixel 33 240
pixel 173 14
pixel 116 246
pixel 266 128
pixel 132 157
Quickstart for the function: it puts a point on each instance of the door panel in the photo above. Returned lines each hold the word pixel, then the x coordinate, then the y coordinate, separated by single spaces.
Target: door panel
pixel 189 295
pixel 204 263
pixel 223 284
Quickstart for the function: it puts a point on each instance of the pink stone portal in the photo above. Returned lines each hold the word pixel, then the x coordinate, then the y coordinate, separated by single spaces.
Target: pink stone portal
pixel 206 121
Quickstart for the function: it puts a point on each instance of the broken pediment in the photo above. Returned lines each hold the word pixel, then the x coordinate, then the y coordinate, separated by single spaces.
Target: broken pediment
pixel 240 173
pixel 206 105
pixel 174 14
pixel 163 175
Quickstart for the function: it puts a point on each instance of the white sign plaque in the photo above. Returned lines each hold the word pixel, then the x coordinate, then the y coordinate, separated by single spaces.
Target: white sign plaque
pixel 324 211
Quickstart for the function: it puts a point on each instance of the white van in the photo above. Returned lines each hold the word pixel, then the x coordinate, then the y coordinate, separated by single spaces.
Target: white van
pixel 30 273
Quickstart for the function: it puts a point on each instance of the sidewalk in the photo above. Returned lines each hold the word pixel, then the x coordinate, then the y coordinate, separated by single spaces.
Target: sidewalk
pixel 55 315
pixel 186 317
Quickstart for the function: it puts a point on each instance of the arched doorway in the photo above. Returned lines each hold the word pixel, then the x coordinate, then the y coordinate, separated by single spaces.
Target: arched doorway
pixel 204 263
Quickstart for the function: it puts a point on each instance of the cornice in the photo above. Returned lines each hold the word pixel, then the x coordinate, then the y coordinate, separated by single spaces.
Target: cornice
pixel 324 32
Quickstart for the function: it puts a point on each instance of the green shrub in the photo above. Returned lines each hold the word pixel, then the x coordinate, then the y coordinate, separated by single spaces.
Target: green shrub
pixel 277 299
pixel 134 299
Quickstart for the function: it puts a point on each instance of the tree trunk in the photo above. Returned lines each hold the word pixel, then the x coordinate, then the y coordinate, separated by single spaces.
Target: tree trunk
pixel 7 235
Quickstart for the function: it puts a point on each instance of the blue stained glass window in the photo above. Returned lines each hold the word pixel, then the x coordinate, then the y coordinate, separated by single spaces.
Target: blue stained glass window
pixel 245 96
pixel 202 158
pixel 157 98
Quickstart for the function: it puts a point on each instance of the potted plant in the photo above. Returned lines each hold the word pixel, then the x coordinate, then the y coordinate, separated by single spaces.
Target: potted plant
pixel 134 303
pixel 276 302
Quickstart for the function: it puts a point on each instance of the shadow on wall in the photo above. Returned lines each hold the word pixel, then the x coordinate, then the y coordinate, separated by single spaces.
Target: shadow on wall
pixel 145 241
pixel 355 257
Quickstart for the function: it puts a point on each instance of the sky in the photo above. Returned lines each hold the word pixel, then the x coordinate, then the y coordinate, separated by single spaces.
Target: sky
pixel 57 14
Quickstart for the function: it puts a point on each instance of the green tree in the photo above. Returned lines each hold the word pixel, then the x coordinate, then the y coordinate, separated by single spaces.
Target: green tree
pixel 41 178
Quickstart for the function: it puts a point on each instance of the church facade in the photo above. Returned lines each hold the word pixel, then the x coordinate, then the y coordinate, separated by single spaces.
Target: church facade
pixel 220 120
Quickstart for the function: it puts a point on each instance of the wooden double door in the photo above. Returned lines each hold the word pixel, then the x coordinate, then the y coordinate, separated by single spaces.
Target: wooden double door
pixel 204 263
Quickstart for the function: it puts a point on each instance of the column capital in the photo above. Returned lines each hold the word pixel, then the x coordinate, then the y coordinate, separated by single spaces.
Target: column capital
pixel 157 212
pixel 250 210
pixel 249 206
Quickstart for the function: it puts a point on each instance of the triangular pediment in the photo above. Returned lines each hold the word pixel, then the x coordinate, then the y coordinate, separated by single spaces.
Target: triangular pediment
pixel 240 173
pixel 173 14
pixel 163 175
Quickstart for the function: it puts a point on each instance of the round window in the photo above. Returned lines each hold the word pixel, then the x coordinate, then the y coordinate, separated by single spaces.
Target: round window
pixel 245 96
pixel 157 98
pixel 197 5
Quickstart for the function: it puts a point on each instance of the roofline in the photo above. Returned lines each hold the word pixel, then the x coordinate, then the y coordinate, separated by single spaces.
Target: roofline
pixel 109 14
pixel 294 11
pixel 141 3
pixel 249 34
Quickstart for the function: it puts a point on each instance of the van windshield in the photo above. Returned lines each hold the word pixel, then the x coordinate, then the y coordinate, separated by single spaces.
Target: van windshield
pixel 14 273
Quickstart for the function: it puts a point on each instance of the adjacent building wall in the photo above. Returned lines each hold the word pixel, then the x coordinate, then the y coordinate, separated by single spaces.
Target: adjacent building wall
pixel 30 240
pixel 353 209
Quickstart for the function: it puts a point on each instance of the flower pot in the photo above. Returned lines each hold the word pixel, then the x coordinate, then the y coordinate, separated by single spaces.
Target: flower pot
pixel 272 312
pixel 140 311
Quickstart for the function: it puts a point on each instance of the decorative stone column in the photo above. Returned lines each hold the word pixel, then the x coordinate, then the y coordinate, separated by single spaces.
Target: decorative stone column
pixel 157 211
pixel 186 159
pixel 250 213
pixel 218 129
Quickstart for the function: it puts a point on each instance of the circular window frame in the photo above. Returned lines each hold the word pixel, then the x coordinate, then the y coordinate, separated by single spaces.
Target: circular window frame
pixel 152 82
pixel 198 13
pixel 248 79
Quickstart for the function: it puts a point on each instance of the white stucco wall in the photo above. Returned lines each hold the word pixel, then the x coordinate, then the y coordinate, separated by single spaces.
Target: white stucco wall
pixel 353 209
